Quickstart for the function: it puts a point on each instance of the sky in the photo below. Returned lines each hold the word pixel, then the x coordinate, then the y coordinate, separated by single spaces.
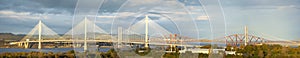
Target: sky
pixel 265 18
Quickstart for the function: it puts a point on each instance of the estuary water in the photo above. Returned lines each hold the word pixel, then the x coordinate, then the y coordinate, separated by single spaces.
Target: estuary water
pixel 55 50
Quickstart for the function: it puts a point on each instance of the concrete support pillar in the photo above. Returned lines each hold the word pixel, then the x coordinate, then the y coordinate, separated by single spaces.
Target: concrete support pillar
pixel 26 44
pixel 19 44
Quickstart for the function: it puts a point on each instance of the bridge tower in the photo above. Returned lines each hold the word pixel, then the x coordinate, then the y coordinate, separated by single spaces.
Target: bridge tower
pixel 120 36
pixel 39 34
pixel 40 31
pixel 85 35
pixel 146 31
pixel 246 35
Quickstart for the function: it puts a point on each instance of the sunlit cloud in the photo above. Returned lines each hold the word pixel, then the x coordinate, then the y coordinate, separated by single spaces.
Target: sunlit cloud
pixel 17 15
pixel 285 7
pixel 105 16
pixel 202 18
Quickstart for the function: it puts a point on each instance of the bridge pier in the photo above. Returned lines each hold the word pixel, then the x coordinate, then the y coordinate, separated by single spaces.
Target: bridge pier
pixel 20 44
pixel 40 45
pixel 26 44
pixel 77 45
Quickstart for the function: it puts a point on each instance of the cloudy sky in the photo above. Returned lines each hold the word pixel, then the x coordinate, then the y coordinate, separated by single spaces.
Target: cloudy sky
pixel 266 18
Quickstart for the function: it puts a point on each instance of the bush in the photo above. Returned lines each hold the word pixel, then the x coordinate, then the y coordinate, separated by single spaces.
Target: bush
pixel 146 51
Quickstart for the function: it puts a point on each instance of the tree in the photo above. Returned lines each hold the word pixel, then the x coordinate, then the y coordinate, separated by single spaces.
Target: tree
pixel 172 55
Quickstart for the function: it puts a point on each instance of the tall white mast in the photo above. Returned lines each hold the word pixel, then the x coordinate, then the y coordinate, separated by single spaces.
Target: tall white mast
pixel 40 31
pixel 246 35
pixel 120 36
pixel 146 31
pixel 85 35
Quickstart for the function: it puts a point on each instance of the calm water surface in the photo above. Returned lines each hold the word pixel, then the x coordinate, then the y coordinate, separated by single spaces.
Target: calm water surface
pixel 55 50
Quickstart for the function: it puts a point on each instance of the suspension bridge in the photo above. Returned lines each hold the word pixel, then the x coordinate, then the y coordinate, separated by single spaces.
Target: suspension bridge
pixel 138 33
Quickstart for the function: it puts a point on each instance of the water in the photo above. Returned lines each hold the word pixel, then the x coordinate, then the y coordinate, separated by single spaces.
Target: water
pixel 55 50
pixel 206 43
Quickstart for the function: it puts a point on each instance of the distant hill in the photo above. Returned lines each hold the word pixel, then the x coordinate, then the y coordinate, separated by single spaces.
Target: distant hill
pixel 11 36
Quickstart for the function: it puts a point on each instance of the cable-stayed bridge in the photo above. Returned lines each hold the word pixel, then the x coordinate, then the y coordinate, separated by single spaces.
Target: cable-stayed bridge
pixel 89 32
pixel 145 32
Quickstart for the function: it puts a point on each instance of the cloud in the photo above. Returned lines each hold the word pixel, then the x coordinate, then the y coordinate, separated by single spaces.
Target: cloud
pixel 13 13
pixel 105 16
pixel 17 15
pixel 260 4
pixel 286 7
pixel 190 2
pixel 125 14
pixel 111 5
pixel 39 6
pixel 202 18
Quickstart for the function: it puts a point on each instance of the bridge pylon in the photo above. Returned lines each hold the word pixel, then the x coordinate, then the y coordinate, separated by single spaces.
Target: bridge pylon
pixel 146 31
pixel 120 36
pixel 26 44
pixel 246 35
pixel 39 33
pixel 85 35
